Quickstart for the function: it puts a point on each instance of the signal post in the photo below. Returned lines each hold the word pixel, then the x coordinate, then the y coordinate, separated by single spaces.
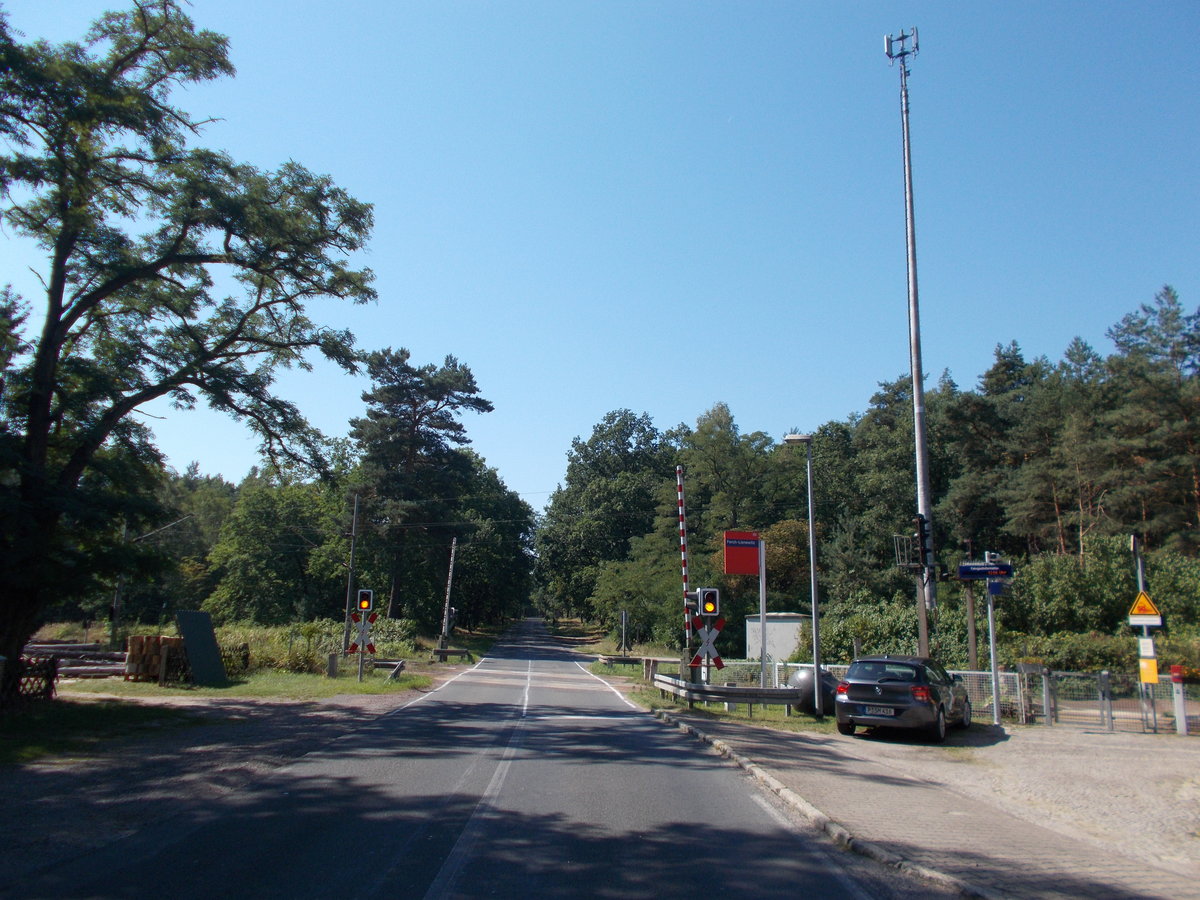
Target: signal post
pixel 364 616
pixel 706 624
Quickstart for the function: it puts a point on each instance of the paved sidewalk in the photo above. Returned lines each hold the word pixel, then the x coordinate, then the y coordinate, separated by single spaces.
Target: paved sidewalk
pixel 911 806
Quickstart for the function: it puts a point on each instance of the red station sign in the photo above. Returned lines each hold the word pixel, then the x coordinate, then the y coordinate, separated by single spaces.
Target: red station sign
pixel 741 553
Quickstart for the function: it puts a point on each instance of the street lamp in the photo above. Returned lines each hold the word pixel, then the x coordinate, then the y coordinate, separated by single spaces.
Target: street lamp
pixel 806 440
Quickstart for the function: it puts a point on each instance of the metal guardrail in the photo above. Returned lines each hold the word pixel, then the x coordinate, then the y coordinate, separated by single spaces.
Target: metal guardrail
pixel 692 691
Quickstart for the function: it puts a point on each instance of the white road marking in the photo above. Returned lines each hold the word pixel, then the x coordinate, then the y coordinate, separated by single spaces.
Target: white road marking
pixel 827 864
pixel 443 884
pixel 624 699
pixel 448 681
pixel 528 682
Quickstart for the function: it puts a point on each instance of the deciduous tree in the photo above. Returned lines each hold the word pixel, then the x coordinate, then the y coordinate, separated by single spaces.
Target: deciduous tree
pixel 168 270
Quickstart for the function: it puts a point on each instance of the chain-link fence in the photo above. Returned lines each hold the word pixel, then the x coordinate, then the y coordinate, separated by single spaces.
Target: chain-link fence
pixel 1115 702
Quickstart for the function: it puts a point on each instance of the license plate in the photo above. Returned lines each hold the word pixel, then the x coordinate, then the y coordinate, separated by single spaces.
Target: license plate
pixel 878 711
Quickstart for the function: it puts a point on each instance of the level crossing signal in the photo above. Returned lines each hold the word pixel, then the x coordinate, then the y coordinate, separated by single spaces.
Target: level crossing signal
pixel 366 601
pixel 710 601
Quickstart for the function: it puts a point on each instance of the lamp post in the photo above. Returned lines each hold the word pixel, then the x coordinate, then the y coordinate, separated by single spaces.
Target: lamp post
pixel 806 440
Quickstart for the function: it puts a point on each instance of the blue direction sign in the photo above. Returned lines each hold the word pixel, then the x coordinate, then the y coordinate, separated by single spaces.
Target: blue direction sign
pixel 981 571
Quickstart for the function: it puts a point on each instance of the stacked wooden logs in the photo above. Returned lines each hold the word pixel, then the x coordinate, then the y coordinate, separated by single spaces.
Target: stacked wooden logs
pixel 79 660
pixel 152 657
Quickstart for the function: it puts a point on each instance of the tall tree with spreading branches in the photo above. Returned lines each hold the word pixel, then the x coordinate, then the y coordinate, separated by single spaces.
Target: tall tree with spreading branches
pixel 168 270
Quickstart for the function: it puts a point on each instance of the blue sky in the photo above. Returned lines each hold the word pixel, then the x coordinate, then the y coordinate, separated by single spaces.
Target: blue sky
pixel 663 205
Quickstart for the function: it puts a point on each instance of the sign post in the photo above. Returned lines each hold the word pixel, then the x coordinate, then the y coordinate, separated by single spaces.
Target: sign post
pixel 746 554
pixel 762 612
pixel 364 616
pixel 995 573
pixel 1145 615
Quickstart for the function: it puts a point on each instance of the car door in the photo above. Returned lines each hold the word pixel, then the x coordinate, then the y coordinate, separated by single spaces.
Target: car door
pixel 943 685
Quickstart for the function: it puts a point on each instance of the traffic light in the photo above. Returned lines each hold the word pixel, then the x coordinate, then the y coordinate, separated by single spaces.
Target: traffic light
pixel 921 537
pixel 691 601
pixel 710 601
pixel 366 601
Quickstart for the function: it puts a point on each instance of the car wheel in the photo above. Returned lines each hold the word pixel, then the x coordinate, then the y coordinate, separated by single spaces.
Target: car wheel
pixel 965 721
pixel 937 731
pixel 845 727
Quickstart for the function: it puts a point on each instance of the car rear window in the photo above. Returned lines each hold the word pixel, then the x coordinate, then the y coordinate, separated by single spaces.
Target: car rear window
pixel 882 671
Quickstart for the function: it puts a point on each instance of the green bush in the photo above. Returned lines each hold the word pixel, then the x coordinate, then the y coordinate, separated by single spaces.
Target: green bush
pixel 1068 651
pixel 305 646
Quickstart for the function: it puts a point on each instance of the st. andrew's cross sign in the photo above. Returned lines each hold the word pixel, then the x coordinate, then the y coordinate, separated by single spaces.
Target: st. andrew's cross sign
pixel 707 635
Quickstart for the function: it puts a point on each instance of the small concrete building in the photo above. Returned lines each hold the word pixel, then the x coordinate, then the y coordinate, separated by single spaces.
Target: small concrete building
pixel 783 634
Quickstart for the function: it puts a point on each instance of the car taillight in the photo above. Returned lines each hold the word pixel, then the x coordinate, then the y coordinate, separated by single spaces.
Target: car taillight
pixel 921 692
pixel 843 687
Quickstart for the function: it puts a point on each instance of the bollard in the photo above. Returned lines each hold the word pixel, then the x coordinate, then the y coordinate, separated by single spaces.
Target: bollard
pixel 730 707
pixel 1049 709
pixel 1181 719
pixel 331 666
pixel 1106 708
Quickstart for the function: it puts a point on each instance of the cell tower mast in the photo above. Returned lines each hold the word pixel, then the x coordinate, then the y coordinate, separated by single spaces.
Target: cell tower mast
pixel 900 49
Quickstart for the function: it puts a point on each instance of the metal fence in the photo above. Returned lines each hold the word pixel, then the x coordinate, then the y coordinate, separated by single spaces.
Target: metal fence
pixel 1115 702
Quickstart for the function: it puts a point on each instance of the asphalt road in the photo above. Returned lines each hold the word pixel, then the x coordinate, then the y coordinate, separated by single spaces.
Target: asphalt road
pixel 522 776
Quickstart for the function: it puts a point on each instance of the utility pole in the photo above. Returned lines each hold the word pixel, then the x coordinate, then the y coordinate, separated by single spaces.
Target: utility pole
pixel 114 624
pixel 444 641
pixel 350 579
pixel 900 48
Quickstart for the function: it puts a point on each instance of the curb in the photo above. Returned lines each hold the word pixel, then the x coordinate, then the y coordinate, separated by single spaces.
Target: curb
pixel 837 832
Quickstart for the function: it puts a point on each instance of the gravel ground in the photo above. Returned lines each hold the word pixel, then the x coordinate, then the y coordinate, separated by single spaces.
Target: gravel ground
pixel 1135 793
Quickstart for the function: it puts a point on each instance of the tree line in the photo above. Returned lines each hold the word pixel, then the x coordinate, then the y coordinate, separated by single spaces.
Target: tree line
pixel 1051 464
pixel 170 270
pixel 276 548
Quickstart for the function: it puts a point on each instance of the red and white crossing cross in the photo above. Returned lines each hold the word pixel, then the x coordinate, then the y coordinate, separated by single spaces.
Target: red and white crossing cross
pixel 707 635
pixel 364 633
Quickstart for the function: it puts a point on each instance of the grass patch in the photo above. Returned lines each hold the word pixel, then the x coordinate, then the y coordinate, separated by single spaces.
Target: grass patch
pixel 265 683
pixel 763 716
pixel 87 714
pixel 617 670
pixel 581 635
pixel 77 726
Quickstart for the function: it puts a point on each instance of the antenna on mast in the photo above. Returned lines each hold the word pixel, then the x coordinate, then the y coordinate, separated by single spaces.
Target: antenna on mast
pixel 897 48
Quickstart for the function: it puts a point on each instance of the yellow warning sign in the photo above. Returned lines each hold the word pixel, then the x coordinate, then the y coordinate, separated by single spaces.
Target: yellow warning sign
pixel 1144 606
pixel 1148 671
